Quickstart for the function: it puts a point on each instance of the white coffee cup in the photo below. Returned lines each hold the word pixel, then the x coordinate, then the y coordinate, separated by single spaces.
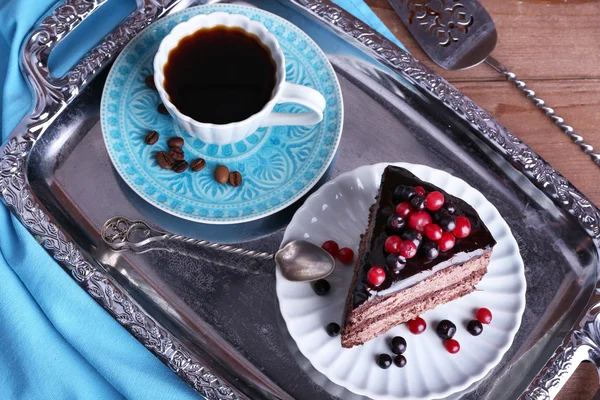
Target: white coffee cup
pixel 283 92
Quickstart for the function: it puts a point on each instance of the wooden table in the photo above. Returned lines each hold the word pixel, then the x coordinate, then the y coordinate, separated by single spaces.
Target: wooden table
pixel 554 46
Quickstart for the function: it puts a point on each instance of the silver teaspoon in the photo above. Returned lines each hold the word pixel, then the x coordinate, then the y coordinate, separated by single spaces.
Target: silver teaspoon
pixel 299 260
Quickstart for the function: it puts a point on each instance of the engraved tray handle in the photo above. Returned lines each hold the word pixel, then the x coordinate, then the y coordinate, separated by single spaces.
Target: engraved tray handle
pixel 54 94
pixel 582 344
pixel 51 96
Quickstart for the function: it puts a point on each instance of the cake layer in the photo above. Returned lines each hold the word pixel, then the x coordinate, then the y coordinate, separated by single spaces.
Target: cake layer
pixel 372 250
pixel 383 313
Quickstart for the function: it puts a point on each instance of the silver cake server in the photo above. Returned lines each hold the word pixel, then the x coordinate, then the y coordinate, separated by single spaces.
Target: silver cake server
pixel 298 260
pixel 459 34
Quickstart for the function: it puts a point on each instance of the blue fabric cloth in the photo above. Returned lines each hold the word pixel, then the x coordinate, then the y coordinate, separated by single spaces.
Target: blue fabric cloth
pixel 57 343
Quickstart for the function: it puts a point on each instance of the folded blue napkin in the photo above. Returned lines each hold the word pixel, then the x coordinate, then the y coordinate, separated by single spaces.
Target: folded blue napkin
pixel 57 343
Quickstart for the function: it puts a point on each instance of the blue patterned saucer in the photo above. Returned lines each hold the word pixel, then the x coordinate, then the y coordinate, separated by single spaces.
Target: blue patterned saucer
pixel 278 164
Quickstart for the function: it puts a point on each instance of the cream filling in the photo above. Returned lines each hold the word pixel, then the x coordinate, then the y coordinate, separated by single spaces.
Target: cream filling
pixel 416 278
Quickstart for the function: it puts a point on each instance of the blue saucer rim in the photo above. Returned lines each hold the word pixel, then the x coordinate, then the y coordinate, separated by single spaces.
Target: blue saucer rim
pixel 257 215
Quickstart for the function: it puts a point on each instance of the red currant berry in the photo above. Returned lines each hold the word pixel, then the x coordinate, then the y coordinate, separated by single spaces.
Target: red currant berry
pixel 463 227
pixel 346 255
pixel 435 201
pixel 419 220
pixel 433 231
pixel 447 241
pixel 408 249
pixel 404 209
pixel 420 190
pixel 376 276
pixel 392 244
pixel 417 326
pixel 484 316
pixel 452 346
pixel 331 247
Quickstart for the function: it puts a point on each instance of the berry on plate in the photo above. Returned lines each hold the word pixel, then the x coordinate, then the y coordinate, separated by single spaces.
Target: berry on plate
pixel 331 247
pixel 400 361
pixel 398 345
pixel 417 326
pixel 333 329
pixel 474 327
pixel 484 316
pixel 345 255
pixel 321 287
pixel 384 361
pixel 452 346
pixel 446 329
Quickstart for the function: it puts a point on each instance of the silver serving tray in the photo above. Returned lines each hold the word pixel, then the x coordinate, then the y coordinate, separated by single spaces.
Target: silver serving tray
pixel 213 317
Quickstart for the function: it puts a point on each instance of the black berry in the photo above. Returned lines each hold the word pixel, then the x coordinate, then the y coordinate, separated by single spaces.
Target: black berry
pixel 400 361
pixel 333 329
pixel 384 361
pixel 439 215
pixel 450 207
pixel 430 250
pixel 395 223
pixel 321 287
pixel 404 193
pixel 446 329
pixel 395 263
pixel 475 328
pixel 418 203
pixel 448 223
pixel 412 235
pixel 398 345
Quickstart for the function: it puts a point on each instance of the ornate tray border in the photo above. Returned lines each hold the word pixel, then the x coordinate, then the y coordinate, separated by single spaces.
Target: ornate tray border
pixel 53 95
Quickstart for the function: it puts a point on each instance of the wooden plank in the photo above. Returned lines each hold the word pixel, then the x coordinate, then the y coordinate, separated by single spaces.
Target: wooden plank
pixel 582 385
pixel 553 39
pixel 577 101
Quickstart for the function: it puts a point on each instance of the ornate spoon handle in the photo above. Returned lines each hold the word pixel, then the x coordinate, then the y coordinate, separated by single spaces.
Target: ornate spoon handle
pixel 541 104
pixel 123 234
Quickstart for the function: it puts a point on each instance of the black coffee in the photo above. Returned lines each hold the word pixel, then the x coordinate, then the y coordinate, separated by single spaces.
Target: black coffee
pixel 220 75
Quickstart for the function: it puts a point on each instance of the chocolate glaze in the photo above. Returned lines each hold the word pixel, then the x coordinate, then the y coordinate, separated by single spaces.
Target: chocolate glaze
pixel 479 239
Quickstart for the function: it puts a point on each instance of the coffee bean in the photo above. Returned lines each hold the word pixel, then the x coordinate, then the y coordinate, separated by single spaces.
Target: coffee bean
pixel 235 179
pixel 221 174
pixel 150 82
pixel 162 109
pixel 151 137
pixel 177 153
pixel 164 160
pixel 198 165
pixel 180 166
pixel 175 142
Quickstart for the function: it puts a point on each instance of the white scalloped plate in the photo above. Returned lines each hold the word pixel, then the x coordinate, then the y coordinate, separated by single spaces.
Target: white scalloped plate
pixel 338 211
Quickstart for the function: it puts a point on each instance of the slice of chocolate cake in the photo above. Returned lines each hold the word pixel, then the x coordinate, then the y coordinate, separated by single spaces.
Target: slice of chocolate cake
pixel 422 247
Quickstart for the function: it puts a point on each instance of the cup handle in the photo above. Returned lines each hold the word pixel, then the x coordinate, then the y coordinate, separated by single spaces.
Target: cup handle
pixel 292 93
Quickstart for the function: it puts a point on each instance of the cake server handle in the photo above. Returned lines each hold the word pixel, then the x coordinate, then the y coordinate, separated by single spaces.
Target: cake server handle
pixel 541 104
pixel 123 234
pixel 581 344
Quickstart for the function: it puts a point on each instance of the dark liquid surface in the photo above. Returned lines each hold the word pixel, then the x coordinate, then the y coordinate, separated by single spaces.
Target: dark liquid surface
pixel 220 75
